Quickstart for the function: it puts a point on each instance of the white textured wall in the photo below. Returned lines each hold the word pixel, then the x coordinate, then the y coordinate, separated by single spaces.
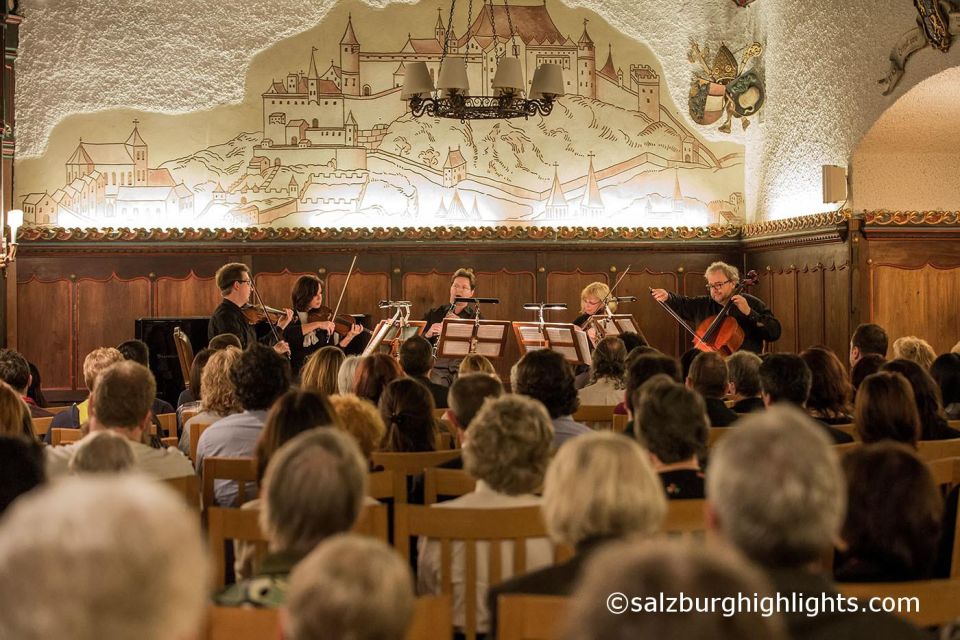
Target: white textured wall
pixel 822 61
pixel 903 181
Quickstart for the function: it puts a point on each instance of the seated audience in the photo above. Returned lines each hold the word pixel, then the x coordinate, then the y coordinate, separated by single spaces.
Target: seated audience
pixel 946 372
pixel 218 398
pixel 475 363
pixel 373 374
pixel 224 340
pixel 786 379
pixel 933 423
pixel 15 371
pixel 15 421
pixel 914 349
pixel 886 410
pixel 352 587
pixel 78 414
pixel 893 519
pixel 686 361
pixel 507 450
pixel 361 420
pixel 598 489
pixel 632 340
pixel 545 375
pixel 867 339
pixel 708 377
pixel 319 372
pixel 641 366
pixel 743 368
pixel 605 378
pixel 867 365
pixel 671 421
pixel 121 401
pixel 775 492
pixel 467 394
pixel 346 374
pixel 416 360
pixel 831 393
pixel 189 399
pixel 313 488
pixel 406 407
pixel 21 468
pixel 104 560
pixel 138 351
pixel 651 569
pixel 103 452
pixel 35 389
pixel 259 376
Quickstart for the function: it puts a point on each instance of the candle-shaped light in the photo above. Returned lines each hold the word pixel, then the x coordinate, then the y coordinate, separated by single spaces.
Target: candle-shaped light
pixel 15 220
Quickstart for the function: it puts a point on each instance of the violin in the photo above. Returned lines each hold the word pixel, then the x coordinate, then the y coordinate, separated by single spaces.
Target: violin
pixel 342 322
pixel 255 314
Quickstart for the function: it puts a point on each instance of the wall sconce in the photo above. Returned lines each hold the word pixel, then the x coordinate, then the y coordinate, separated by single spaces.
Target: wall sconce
pixel 8 247
pixel 834 184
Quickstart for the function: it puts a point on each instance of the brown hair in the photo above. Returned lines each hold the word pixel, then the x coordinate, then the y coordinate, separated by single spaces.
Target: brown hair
pixel 373 374
pixel 303 292
pixel 319 373
pixel 406 407
pixel 708 375
pixel 831 390
pixel 123 395
pixel 230 273
pixel 886 409
pixel 295 412
pixel 14 415
pixel 467 273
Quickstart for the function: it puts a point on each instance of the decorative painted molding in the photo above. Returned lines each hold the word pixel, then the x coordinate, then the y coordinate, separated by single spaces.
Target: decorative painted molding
pixel 903 218
pixel 815 222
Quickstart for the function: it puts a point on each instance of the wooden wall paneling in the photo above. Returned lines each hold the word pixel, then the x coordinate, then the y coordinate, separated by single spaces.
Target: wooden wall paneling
pixel 917 301
pixel 660 329
pixel 106 313
pixel 836 309
pixel 810 317
pixel 513 289
pixel 192 295
pixel 565 286
pixel 275 288
pixel 45 313
pixel 363 293
pixel 425 291
pixel 783 302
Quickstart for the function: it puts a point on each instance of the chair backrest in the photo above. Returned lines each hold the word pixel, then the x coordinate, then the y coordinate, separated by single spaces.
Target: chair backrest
pixel 242 623
pixel 195 430
pixel 240 470
pixel 849 428
pixel 936 449
pixel 439 413
pixel 928 602
pixel 527 617
pixel 168 422
pixel 685 517
pixel 373 521
pixel 845 448
pixel 715 433
pixel 620 422
pixel 171 441
pixel 446 482
pixel 60 409
pixel 60 436
pixel 412 463
pixel 386 484
pixel 953 423
pixel 946 473
pixel 184 354
pixel 468 527
pixel 41 426
pixel 188 487
pixel 594 413
pixel 432 618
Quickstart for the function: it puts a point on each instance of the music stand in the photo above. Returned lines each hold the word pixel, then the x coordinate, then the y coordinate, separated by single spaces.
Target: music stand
pixel 566 339
pixel 614 325
pixel 460 337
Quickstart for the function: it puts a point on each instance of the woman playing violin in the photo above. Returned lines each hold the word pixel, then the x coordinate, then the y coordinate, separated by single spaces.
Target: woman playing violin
pixel 753 316
pixel 591 304
pixel 233 280
pixel 310 330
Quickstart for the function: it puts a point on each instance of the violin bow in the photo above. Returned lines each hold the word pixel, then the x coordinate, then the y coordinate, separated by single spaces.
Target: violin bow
pixel 344 289
pixel 263 308
pixel 683 323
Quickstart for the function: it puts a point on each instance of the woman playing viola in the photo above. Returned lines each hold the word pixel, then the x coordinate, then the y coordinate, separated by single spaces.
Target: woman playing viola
pixel 591 304
pixel 306 335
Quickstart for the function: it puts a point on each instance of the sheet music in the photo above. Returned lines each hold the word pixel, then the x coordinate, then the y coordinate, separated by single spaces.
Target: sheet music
pixel 488 348
pixel 626 325
pixel 491 332
pixel 556 334
pixel 531 334
pixel 584 341
pixel 459 330
pixel 456 348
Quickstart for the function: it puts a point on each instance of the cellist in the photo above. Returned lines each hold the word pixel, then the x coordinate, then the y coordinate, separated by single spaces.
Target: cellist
pixel 753 316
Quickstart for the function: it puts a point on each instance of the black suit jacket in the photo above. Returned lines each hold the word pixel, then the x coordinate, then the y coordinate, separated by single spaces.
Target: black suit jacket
pixel 438 391
pixel 748 405
pixel 720 415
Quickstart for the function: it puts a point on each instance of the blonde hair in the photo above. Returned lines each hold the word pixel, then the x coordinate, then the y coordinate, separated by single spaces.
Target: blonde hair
pixel 98 360
pixel 346 374
pixel 219 394
pixel 914 349
pixel 598 290
pixel 14 413
pixel 476 363
pixel 602 485
pixel 729 271
pixel 361 419
pixel 103 452
pixel 320 371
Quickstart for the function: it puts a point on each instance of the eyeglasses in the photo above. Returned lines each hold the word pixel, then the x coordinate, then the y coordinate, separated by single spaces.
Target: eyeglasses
pixel 716 286
pixel 244 281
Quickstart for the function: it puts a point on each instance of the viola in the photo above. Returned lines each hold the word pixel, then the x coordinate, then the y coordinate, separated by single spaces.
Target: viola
pixel 342 322
pixel 255 314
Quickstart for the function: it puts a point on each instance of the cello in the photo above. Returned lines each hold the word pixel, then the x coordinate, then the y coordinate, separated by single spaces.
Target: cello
pixel 721 332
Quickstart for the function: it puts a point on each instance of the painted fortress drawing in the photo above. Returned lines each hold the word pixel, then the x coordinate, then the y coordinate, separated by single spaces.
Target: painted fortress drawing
pixel 337 147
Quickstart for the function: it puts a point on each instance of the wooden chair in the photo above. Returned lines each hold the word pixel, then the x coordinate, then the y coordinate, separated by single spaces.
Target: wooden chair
pixel 188 487
pixel 439 413
pixel 953 423
pixel 385 485
pixel 595 416
pixel 445 440
pixel 186 414
pixel 172 441
pixel 373 521
pixel 195 430
pixel 60 436
pixel 715 433
pixel 620 422
pixel 468 527
pixel 850 429
pixel 446 482
pixel 432 619
pixel 936 449
pixel 946 474
pixel 931 602
pixel 412 463
pixel 845 448
pixel 242 623
pixel 685 517
pixel 168 422
pixel 239 470
pixel 527 617
pixel 184 354
pixel 58 410
pixel 41 426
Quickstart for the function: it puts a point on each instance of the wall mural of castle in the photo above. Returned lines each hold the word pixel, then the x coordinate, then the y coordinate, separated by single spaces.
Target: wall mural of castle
pixel 334 146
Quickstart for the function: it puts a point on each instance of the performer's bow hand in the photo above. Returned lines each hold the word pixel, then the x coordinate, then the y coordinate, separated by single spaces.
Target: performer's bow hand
pixel 660 295
pixel 742 304
pixel 282 348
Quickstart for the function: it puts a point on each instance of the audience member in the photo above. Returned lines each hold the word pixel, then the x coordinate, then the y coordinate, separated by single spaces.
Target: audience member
pixel 319 373
pixel 15 419
pixel 78 414
pixel 313 488
pixel 686 361
pixel 189 399
pixel 103 452
pixel 599 488
pixel 743 368
pixel 219 398
pixel 373 374
pixel 104 560
pixel 545 375
pixel 886 410
pixel 893 516
pixel 15 371
pixel 224 340
pixel 416 360
pixel 775 491
pixel 121 401
pixel 361 420
pixel 831 393
pixel 605 378
pixel 352 587
pixel 21 468
pixel 933 424
pixel 467 394
pixel 914 349
pixel 35 389
pixel 259 376
pixel 296 411
pixel 867 365
pixel 786 378
pixel 651 570
pixel 867 339
pixel 641 366
pixel 946 372
pixel 475 363
pixel 671 422
pixel 138 351
pixel 507 450
pixel 708 377
pixel 347 374
pixel 406 407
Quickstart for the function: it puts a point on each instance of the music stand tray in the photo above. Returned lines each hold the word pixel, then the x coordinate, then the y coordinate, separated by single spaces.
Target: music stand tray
pixel 567 339
pixel 387 330
pixel 461 337
pixel 614 325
